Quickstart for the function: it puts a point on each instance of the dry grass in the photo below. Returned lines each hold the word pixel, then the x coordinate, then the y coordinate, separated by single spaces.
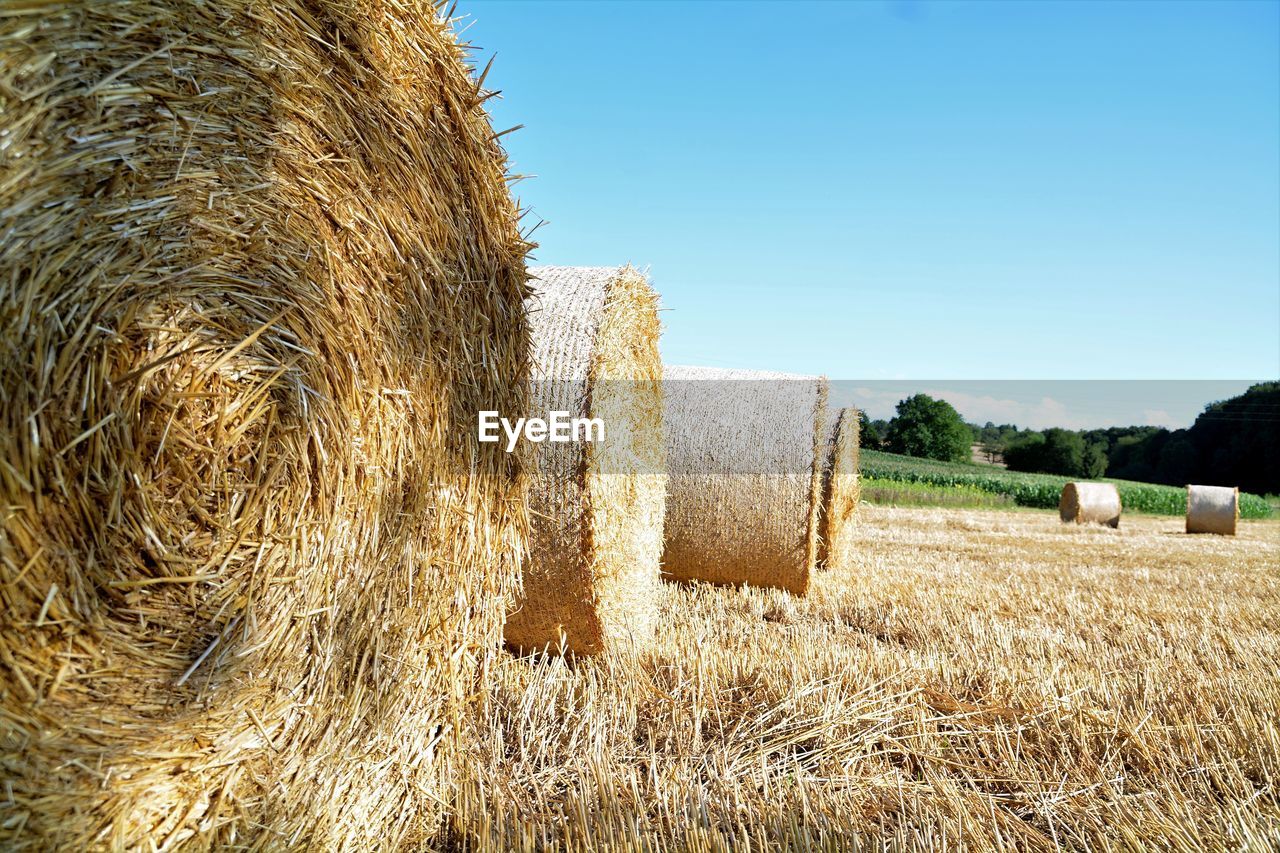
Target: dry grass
pixel 975 680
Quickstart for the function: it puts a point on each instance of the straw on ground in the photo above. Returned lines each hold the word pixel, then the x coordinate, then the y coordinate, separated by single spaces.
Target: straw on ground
pixel 989 679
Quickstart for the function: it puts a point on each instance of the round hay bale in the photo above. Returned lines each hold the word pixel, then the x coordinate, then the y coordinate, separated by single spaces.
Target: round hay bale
pixel 744 489
pixel 591 579
pixel 1213 509
pixel 260 268
pixel 841 488
pixel 1090 503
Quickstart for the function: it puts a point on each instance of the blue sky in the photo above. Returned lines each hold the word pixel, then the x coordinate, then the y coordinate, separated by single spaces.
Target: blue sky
pixel 924 190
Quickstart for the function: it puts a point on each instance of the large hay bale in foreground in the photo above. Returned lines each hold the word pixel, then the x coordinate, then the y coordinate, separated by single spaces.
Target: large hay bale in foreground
pixel 260 268
pixel 1090 503
pixel 841 487
pixel 1213 509
pixel 591 579
pixel 744 485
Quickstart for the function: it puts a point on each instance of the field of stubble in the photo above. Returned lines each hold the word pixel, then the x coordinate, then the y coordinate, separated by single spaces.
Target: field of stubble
pixel 972 680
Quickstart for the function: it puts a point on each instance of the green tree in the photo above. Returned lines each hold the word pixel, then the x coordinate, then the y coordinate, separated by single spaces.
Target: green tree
pixel 1025 453
pixel 929 428
pixel 869 433
pixel 1063 453
pixel 993 449
pixel 1177 460
pixel 1095 460
pixel 1057 451
pixel 997 439
pixel 1236 443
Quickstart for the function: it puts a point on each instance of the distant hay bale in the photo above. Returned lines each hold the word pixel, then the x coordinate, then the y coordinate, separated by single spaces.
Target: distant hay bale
pixel 745 476
pixel 1090 503
pixel 841 488
pixel 1213 509
pixel 260 268
pixel 592 574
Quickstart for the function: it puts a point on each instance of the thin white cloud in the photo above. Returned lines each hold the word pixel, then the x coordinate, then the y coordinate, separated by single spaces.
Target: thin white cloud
pixel 1041 414
pixel 879 405
pixel 1038 414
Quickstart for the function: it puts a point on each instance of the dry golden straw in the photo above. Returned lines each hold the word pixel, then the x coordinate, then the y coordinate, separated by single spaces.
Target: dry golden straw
pixel 841 488
pixel 1090 503
pixel 1213 509
pixel 260 267
pixel 744 489
pixel 987 681
pixel 591 579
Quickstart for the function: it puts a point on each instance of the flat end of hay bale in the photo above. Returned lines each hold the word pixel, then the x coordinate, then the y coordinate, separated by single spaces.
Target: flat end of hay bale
pixel 841 487
pixel 745 484
pixel 1213 509
pixel 591 580
pixel 1090 503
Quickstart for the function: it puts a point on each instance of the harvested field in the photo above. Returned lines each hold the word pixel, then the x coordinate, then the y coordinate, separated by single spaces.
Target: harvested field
pixel 978 679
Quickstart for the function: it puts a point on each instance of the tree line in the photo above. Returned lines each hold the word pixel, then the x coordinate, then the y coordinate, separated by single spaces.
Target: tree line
pixel 1233 442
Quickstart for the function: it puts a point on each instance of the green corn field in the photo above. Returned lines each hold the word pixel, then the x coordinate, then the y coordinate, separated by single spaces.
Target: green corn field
pixel 1033 490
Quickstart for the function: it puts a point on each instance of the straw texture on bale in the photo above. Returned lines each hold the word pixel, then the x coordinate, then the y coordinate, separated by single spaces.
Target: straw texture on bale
pixel 260 267
pixel 1090 503
pixel 591 579
pixel 1213 509
pixel 841 488
pixel 744 488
